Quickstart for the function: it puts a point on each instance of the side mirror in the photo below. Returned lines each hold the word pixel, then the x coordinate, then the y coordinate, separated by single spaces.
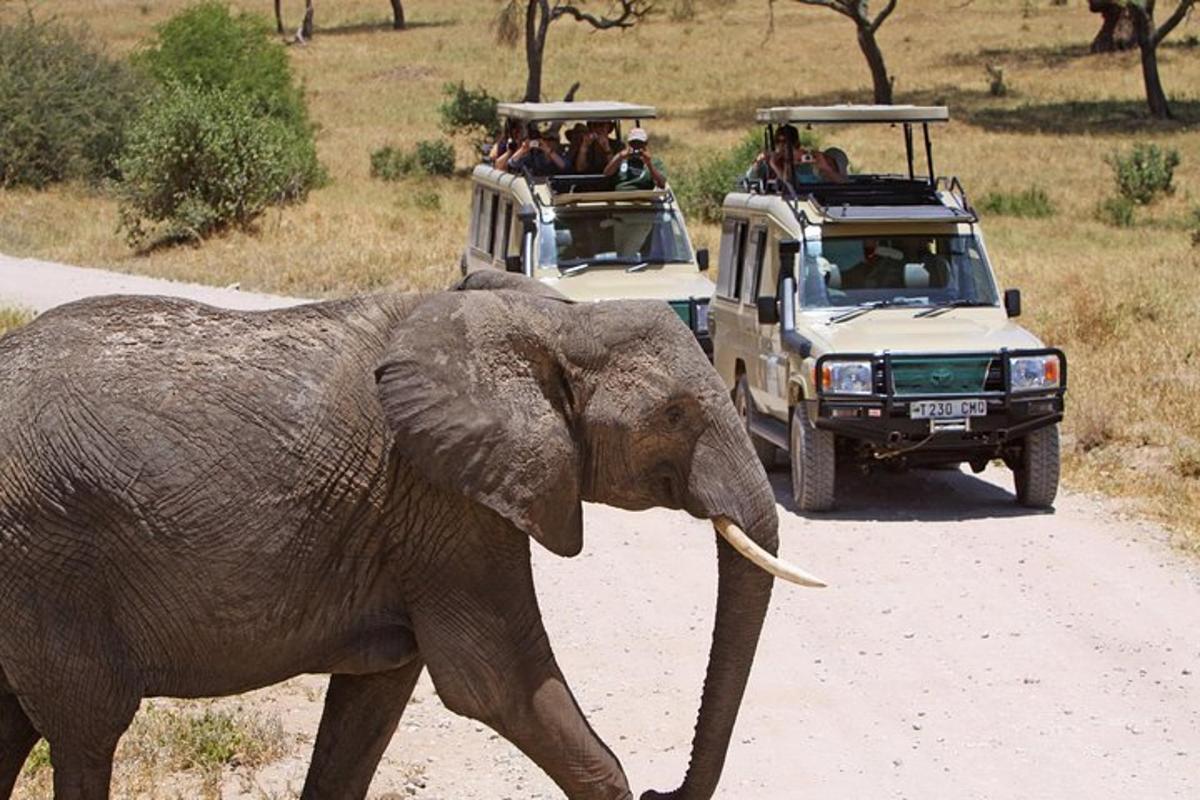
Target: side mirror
pixel 513 264
pixel 1012 302
pixel 768 310
pixel 702 259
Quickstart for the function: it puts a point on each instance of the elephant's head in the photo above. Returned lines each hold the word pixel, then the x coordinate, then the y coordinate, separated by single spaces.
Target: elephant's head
pixel 530 404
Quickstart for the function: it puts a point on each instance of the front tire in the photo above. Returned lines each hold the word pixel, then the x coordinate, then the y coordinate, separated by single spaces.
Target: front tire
pixel 765 451
pixel 1036 474
pixel 813 457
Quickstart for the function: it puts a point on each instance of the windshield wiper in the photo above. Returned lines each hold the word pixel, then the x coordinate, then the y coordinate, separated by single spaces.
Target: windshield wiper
pixel 863 308
pixel 942 308
pixel 576 269
pixel 638 267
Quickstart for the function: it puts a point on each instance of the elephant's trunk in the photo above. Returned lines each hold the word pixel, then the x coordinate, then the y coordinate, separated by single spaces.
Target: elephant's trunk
pixel 742 494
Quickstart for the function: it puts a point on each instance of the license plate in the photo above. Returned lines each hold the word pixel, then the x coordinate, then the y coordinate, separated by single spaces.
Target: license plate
pixel 947 409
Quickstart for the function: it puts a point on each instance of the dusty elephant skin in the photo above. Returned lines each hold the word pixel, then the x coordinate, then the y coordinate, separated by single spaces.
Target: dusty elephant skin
pixel 198 502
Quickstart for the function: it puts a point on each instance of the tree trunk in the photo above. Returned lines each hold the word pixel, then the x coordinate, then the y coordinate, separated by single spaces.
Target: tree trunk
pixel 306 30
pixel 537 24
pixel 1156 98
pixel 397 15
pixel 881 82
pixel 278 17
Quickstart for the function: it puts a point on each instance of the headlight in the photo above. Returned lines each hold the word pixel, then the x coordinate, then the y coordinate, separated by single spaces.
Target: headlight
pixel 1026 373
pixel 847 377
pixel 701 317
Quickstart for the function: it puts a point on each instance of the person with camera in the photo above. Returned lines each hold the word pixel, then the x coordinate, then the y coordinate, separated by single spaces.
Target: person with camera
pixel 790 163
pixel 634 167
pixel 536 154
pixel 595 148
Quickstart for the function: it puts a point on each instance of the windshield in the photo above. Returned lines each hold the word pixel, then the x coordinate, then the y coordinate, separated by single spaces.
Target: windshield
pixel 622 235
pixel 921 270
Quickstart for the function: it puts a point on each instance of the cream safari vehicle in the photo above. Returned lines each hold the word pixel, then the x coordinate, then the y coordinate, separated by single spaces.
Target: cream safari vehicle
pixel 857 319
pixel 579 234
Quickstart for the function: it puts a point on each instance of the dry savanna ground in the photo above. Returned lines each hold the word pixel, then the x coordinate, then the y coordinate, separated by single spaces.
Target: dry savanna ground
pixel 1123 302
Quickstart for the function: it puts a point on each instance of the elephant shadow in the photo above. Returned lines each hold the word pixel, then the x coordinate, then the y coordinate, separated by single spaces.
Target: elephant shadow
pixel 917 495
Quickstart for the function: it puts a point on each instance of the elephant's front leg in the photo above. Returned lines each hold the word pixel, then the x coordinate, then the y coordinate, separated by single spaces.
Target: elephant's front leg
pixel 482 638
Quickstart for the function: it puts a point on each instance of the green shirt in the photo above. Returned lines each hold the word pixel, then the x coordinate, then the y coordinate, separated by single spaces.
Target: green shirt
pixel 638 178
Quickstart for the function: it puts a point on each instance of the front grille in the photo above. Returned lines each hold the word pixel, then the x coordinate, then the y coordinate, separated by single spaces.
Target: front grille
pixel 945 375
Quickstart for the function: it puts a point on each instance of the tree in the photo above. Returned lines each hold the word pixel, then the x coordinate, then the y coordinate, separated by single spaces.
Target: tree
pixel 858 11
pixel 306 27
pixel 1116 31
pixel 1149 36
pixel 541 14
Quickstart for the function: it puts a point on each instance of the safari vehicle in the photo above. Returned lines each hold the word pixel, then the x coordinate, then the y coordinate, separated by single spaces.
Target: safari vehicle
pixel 858 321
pixel 582 236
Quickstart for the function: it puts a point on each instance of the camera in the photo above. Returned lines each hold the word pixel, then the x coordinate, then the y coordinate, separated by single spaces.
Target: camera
pixel 806 158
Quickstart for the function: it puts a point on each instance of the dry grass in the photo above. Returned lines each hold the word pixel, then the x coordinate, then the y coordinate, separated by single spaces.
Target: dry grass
pixel 12 317
pixel 175 749
pixel 1123 303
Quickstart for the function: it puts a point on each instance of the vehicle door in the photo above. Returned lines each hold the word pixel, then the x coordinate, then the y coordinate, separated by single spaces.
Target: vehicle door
pixel 771 363
pixel 730 343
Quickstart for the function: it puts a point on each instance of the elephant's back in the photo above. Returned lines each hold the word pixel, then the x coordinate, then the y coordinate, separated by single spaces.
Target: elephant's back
pixel 182 411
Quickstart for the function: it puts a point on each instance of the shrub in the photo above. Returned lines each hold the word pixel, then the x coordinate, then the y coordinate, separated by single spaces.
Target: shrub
pixel 1194 225
pixel 390 163
pixel 207 45
pixel 469 112
pixel 64 105
pixel 199 160
pixel 1032 202
pixel 11 318
pixel 427 199
pixel 996 85
pixel 702 187
pixel 435 157
pixel 1116 211
pixel 1144 173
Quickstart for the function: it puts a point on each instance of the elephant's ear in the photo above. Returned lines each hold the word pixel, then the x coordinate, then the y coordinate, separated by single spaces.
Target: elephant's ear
pixel 475 392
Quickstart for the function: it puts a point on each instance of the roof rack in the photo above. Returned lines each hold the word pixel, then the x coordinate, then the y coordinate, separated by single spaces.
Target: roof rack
pixel 842 114
pixel 583 110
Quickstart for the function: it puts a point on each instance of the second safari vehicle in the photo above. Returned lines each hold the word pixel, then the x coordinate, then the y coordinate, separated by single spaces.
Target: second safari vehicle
pixel 580 233
pixel 857 319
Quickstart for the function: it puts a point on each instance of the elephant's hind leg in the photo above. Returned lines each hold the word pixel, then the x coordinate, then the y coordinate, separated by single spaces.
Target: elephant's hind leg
pixel 17 738
pixel 361 714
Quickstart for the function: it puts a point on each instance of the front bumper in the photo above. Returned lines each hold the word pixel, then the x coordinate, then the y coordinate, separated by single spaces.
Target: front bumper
pixel 882 419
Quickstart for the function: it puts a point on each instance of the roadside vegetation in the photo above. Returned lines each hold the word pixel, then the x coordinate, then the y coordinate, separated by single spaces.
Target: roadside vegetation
pixel 176 749
pixel 12 318
pixel 1109 278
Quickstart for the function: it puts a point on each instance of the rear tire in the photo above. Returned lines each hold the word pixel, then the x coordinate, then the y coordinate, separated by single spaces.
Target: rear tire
pixel 1036 475
pixel 814 464
pixel 765 451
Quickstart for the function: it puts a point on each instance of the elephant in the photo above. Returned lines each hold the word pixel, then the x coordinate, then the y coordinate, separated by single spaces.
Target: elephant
pixel 199 502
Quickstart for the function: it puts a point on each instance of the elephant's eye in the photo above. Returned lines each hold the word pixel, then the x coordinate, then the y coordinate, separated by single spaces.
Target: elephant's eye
pixel 673 415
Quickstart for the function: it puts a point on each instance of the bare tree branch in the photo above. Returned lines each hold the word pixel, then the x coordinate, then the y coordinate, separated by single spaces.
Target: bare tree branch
pixel 1185 6
pixel 631 12
pixel 883 15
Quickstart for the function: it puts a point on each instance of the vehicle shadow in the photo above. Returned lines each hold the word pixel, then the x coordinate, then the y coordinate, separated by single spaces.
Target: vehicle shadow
pixel 918 495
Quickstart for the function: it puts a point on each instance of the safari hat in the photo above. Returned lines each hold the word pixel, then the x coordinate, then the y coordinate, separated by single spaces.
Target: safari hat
pixel 639 135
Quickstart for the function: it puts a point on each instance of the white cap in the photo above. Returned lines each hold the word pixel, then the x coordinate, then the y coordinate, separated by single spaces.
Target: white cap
pixel 639 135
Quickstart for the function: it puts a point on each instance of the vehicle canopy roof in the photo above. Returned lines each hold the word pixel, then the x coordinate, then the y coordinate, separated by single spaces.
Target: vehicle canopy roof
pixel 815 115
pixel 583 110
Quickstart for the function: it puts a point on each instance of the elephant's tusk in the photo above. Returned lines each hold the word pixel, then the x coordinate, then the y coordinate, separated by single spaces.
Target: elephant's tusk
pixel 761 558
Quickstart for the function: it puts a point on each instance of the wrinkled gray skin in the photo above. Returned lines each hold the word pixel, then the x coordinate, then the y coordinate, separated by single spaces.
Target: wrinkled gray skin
pixel 198 502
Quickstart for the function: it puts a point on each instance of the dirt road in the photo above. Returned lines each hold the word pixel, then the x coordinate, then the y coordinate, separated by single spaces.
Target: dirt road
pixel 966 648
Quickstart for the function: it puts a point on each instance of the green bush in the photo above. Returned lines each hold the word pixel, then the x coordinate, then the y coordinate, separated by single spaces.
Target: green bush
pixel 702 186
pixel 207 45
pixel 469 112
pixel 1144 173
pixel 64 105
pixel 435 157
pixel 1116 211
pixel 1032 202
pixel 198 160
pixel 390 163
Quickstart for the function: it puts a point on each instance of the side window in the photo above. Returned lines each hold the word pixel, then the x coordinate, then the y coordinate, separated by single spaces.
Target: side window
pixel 494 234
pixel 753 265
pixel 733 251
pixel 727 269
pixel 482 232
pixel 476 215
pixel 507 233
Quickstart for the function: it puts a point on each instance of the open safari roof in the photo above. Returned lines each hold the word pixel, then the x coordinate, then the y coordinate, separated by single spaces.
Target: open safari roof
pixel 590 110
pixel 810 115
